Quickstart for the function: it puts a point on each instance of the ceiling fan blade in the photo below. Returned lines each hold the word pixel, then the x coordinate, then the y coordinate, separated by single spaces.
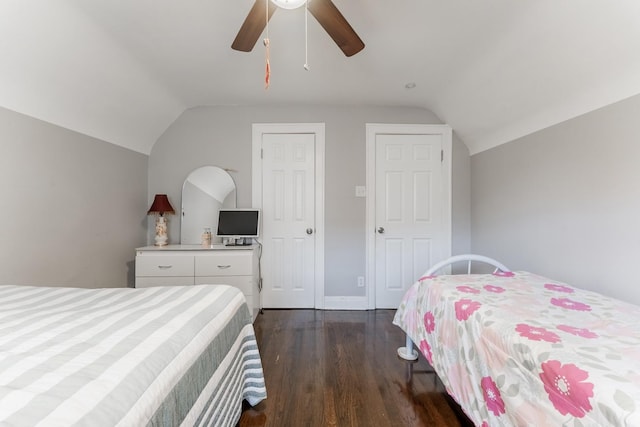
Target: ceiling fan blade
pixel 336 26
pixel 253 26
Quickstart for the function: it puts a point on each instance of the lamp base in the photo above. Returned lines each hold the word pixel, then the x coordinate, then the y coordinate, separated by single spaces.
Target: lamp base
pixel 161 231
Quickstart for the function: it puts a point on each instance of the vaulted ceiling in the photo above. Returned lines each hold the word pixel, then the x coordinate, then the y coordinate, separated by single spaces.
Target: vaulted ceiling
pixel 495 70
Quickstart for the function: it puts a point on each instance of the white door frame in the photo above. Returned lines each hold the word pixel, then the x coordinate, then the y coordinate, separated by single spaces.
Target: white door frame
pixel 256 187
pixel 372 129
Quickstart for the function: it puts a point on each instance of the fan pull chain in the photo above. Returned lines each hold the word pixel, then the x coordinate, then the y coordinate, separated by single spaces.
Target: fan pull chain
pixel 267 71
pixel 306 36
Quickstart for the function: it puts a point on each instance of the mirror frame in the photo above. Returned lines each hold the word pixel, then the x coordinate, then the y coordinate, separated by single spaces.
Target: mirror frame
pixel 205 191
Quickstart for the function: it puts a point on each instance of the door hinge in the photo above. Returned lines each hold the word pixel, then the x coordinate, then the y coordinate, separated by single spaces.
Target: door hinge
pixel 261 153
pixel 441 156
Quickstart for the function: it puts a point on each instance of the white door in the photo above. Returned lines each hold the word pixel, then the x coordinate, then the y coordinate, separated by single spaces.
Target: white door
pixel 411 207
pixel 290 230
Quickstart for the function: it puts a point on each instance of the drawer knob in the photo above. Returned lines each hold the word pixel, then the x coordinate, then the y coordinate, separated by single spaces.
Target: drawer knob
pixel 222 267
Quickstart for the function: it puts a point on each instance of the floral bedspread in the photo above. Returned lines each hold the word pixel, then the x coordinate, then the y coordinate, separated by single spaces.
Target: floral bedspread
pixel 523 350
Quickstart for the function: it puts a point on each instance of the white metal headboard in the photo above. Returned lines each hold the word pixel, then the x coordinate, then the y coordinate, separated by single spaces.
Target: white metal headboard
pixel 468 258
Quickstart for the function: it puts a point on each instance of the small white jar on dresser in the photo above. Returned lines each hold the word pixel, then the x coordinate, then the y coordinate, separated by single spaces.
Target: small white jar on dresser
pixel 187 265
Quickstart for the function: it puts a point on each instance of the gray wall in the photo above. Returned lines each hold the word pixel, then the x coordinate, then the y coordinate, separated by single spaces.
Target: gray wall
pixel 461 200
pixel 221 136
pixel 72 207
pixel 565 202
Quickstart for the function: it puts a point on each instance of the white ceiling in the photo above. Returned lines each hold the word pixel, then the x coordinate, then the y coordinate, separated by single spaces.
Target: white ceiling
pixel 495 70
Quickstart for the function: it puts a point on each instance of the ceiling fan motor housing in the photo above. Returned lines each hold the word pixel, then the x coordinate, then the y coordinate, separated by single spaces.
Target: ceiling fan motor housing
pixel 289 4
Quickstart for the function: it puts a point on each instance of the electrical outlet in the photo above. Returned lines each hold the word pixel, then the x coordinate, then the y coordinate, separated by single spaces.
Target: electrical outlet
pixel 360 281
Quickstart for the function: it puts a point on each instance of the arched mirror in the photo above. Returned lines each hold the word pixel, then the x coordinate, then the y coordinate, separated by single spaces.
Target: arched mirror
pixel 205 191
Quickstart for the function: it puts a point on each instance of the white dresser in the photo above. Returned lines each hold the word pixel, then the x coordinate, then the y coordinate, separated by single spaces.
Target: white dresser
pixel 187 265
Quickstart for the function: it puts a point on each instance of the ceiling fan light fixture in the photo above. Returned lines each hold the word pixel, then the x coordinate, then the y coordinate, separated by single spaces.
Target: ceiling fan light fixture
pixel 289 4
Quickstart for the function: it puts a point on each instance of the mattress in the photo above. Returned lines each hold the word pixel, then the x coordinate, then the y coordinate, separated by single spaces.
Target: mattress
pixel 518 349
pixel 183 355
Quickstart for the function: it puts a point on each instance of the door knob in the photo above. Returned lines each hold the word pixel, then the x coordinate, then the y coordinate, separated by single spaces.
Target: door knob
pixel 309 230
pixel 381 230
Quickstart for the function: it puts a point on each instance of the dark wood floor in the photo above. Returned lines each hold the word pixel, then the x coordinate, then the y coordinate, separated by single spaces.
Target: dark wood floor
pixel 340 368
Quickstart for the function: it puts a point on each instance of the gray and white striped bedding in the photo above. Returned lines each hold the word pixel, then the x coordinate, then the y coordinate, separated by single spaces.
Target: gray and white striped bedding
pixel 183 355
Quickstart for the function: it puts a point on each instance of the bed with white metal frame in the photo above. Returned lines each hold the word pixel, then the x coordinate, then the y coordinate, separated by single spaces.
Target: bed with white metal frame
pixel 516 348
pixel 407 352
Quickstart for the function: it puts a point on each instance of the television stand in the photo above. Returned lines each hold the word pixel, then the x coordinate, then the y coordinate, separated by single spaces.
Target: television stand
pixel 188 265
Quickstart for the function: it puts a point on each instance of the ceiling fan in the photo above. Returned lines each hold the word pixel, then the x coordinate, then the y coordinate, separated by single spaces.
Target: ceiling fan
pixel 324 11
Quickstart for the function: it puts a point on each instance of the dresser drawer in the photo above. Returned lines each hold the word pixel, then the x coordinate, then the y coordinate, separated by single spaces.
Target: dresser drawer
pixel 164 265
pixel 224 263
pixel 149 282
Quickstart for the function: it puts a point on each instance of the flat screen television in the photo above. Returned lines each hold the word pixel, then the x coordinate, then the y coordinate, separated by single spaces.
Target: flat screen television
pixel 238 226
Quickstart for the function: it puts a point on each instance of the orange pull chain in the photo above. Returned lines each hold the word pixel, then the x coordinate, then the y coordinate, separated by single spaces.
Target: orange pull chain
pixel 267 72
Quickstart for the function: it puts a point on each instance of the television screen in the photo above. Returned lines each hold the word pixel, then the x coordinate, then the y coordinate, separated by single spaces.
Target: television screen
pixel 238 223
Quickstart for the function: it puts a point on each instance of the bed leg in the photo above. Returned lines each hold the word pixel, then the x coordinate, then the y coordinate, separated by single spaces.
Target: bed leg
pixel 407 352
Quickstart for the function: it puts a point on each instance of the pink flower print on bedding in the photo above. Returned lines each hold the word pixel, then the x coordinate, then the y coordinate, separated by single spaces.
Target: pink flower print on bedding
pixel 492 396
pixel 429 322
pixel 536 334
pixel 468 289
pixel 501 273
pixel 494 289
pixel 570 304
pixel 558 288
pixel 581 332
pixel 465 308
pixel 566 387
pixel 425 349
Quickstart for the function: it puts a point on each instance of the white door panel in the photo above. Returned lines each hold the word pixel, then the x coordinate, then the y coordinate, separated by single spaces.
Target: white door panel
pixel 288 212
pixel 411 208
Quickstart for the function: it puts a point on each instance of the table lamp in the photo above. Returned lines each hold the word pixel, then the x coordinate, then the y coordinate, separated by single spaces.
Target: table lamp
pixel 160 206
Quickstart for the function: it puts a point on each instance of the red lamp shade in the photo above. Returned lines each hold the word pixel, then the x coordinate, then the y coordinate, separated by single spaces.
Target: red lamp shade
pixel 161 205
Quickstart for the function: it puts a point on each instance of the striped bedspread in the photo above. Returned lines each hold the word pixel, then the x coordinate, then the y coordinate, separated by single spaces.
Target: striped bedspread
pixel 183 355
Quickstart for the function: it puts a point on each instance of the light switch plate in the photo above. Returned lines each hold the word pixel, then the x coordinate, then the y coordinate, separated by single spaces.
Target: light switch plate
pixel 361 191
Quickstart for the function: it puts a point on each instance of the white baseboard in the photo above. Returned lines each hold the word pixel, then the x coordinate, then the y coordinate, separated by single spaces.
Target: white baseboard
pixel 346 303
